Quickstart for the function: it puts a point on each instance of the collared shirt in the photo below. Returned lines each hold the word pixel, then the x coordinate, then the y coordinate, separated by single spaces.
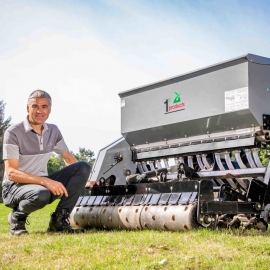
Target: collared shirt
pixel 32 149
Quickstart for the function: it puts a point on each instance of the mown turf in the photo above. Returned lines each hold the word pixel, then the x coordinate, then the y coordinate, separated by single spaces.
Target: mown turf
pixel 199 249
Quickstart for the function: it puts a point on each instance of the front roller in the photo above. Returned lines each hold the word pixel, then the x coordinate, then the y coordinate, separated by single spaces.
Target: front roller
pixel 155 217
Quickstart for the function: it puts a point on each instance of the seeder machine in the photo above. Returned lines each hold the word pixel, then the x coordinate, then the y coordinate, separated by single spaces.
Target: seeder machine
pixel 190 154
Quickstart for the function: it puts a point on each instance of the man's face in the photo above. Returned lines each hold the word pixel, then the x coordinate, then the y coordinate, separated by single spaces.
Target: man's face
pixel 39 110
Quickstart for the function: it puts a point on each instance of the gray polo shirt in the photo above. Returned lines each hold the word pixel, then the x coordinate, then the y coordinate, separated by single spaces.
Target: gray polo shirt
pixel 31 149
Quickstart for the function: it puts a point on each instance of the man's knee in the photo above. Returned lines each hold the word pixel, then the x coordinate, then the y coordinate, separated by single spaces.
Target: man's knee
pixel 35 200
pixel 42 198
pixel 84 168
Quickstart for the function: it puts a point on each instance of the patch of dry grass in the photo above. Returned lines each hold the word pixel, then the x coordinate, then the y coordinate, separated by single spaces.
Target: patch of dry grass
pixel 200 249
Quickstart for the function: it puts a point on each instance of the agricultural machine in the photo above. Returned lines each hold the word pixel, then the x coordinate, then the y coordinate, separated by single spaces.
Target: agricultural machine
pixel 189 155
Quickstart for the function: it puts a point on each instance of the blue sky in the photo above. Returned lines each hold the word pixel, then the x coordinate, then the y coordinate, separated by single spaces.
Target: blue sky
pixel 85 52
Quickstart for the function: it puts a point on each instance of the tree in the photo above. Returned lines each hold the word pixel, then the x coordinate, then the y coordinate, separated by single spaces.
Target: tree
pixel 85 155
pixel 4 124
pixel 56 162
pixel 263 155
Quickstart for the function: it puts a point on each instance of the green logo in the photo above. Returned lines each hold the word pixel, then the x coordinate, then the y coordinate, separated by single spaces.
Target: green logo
pixel 177 98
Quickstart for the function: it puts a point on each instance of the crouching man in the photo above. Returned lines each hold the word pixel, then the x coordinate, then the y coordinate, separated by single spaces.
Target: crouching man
pixel 27 187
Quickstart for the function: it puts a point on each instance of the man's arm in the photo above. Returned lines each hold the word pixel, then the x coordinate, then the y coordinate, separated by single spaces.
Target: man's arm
pixel 69 158
pixel 21 177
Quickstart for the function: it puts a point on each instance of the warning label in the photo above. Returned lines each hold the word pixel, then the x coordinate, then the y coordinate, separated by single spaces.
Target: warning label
pixel 236 100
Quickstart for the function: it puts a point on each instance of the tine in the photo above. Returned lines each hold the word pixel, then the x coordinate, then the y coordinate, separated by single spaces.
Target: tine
pixel 239 160
pixel 199 160
pixel 221 167
pixel 139 165
pixel 228 160
pixel 219 163
pixel 220 181
pixel 144 166
pixel 181 160
pixel 256 158
pixel 267 174
pixel 230 166
pixel 165 160
pixel 205 162
pixel 250 159
pixel 158 164
pixel 151 163
pixel 190 162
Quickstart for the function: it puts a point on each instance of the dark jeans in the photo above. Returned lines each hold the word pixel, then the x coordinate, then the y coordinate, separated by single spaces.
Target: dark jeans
pixel 27 198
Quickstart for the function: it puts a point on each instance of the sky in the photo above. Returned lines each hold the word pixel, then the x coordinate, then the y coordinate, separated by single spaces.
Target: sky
pixel 85 52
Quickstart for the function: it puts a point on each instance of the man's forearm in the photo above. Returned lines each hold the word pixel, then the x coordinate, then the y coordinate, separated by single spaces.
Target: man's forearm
pixel 21 177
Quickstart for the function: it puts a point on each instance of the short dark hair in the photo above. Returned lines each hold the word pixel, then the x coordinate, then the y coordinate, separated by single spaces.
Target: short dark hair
pixel 40 94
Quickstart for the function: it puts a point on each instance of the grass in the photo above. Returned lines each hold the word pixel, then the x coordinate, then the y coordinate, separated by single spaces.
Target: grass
pixel 199 249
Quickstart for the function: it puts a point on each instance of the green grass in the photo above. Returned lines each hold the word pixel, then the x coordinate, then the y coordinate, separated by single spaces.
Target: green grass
pixel 199 249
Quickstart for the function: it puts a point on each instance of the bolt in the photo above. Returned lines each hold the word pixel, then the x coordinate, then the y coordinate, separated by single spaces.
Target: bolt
pixel 267 89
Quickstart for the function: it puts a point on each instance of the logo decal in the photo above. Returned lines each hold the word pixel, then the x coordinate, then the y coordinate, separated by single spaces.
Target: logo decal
pixel 176 105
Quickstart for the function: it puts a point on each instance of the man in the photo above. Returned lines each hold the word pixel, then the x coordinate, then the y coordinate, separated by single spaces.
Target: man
pixel 27 147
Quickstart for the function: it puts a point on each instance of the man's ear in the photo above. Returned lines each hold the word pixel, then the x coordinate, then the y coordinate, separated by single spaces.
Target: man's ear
pixel 27 108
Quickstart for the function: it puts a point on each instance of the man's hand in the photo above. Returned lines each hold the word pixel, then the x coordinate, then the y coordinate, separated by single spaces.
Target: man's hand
pixel 91 184
pixel 56 188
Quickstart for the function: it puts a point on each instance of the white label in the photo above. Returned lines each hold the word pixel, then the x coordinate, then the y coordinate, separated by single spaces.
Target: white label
pixel 236 100
pixel 123 103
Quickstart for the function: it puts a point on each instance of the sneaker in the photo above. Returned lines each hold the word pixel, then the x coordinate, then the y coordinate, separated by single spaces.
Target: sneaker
pixel 60 223
pixel 17 225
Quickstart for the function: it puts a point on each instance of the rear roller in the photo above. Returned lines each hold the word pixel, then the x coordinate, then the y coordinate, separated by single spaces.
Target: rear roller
pixel 155 217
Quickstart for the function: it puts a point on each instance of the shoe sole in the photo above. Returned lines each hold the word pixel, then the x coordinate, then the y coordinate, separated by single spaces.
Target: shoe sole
pixel 53 229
